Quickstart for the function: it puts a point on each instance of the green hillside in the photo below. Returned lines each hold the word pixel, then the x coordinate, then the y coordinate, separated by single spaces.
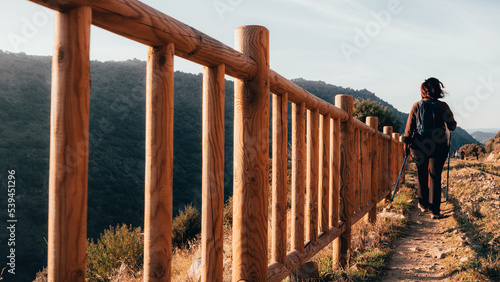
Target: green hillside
pixel 117 130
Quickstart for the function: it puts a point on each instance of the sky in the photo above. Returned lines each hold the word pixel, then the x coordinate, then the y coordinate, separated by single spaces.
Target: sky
pixel 388 47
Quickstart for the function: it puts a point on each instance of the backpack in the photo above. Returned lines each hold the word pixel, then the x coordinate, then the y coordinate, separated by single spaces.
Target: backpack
pixel 428 118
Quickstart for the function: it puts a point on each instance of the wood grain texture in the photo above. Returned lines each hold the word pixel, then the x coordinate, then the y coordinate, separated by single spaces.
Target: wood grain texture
pixel 356 171
pixel 159 163
pixel 312 175
pixel 278 271
pixel 139 22
pixel 362 126
pixel 279 178
pixel 212 210
pixel 324 175
pixel 69 146
pixel 334 173
pixel 365 169
pixel 251 160
pixel 374 163
pixel 396 160
pixel 298 95
pixel 389 163
pixel 402 152
pixel 347 163
pixel 298 175
pixel 382 161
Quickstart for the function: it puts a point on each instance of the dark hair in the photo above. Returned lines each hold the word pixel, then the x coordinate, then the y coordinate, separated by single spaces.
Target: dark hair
pixel 432 88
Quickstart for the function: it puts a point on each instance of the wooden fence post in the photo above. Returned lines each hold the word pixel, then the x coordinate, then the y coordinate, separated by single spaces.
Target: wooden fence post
pixel 373 123
pixel 334 173
pixel 365 169
pixel 401 139
pixel 312 175
pixel 396 158
pixel 279 178
pixel 212 174
pixel 159 163
pixel 388 163
pixel 347 163
pixel 251 159
pixel 356 172
pixel 324 176
pixel 298 175
pixel 69 146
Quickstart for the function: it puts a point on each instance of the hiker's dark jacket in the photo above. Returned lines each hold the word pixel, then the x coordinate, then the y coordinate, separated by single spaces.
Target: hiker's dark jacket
pixel 446 115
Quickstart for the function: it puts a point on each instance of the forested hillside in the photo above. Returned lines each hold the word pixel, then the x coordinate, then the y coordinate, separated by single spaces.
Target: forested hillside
pixel 116 161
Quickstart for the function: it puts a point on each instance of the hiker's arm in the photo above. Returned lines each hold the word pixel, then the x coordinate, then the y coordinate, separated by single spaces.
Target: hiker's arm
pixel 448 118
pixel 411 123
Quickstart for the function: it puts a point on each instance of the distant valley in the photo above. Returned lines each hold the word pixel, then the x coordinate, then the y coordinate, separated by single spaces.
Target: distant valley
pixel 483 134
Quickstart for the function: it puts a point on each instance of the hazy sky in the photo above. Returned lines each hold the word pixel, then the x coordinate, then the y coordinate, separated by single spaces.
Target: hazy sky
pixel 388 47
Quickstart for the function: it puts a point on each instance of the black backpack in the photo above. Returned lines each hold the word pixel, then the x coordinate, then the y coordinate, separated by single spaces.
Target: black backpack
pixel 428 118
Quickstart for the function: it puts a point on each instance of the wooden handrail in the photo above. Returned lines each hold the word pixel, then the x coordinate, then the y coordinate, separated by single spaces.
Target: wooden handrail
pixel 139 22
pixel 298 95
pixel 346 158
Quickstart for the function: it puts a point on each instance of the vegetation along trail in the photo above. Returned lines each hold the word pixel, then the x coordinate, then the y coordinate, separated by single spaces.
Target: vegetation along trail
pixel 461 246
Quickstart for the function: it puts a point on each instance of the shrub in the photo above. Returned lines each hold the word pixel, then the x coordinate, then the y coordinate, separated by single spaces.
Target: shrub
pixel 186 226
pixel 472 150
pixel 386 116
pixel 117 246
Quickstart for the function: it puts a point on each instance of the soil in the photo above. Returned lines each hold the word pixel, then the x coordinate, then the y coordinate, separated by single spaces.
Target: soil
pixel 418 255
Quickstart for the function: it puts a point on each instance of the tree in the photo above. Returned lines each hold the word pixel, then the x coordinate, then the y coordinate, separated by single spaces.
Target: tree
pixel 386 117
pixel 472 150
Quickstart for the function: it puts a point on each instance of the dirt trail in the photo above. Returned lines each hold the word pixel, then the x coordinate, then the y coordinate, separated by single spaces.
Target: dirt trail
pixel 418 255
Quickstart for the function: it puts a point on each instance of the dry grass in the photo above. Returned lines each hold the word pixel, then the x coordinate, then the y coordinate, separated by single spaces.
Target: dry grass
pixel 370 243
pixel 183 258
pixel 474 231
pixel 475 228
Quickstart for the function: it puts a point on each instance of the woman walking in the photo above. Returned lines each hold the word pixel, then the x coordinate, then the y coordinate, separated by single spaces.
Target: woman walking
pixel 426 140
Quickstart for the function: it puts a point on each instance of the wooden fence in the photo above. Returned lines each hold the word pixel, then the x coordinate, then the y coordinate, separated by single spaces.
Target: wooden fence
pixel 341 167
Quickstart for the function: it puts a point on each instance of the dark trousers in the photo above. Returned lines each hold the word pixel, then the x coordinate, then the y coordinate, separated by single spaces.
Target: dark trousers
pixel 430 166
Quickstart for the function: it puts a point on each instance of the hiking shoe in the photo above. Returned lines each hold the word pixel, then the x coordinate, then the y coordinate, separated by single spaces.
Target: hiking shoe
pixel 422 208
pixel 436 216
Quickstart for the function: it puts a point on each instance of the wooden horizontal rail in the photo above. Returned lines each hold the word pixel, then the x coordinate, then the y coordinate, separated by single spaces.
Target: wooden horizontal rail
pixel 278 271
pixel 298 95
pixel 385 136
pixel 362 126
pixel 139 22
pixel 383 194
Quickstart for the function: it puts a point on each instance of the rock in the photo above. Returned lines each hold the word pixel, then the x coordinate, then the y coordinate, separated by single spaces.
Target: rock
pixel 306 271
pixel 451 250
pixel 194 271
pixel 464 259
pixel 391 215
pixel 437 253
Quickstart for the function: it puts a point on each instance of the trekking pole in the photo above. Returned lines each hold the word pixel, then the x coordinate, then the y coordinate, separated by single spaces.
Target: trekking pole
pixel 397 182
pixel 448 172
